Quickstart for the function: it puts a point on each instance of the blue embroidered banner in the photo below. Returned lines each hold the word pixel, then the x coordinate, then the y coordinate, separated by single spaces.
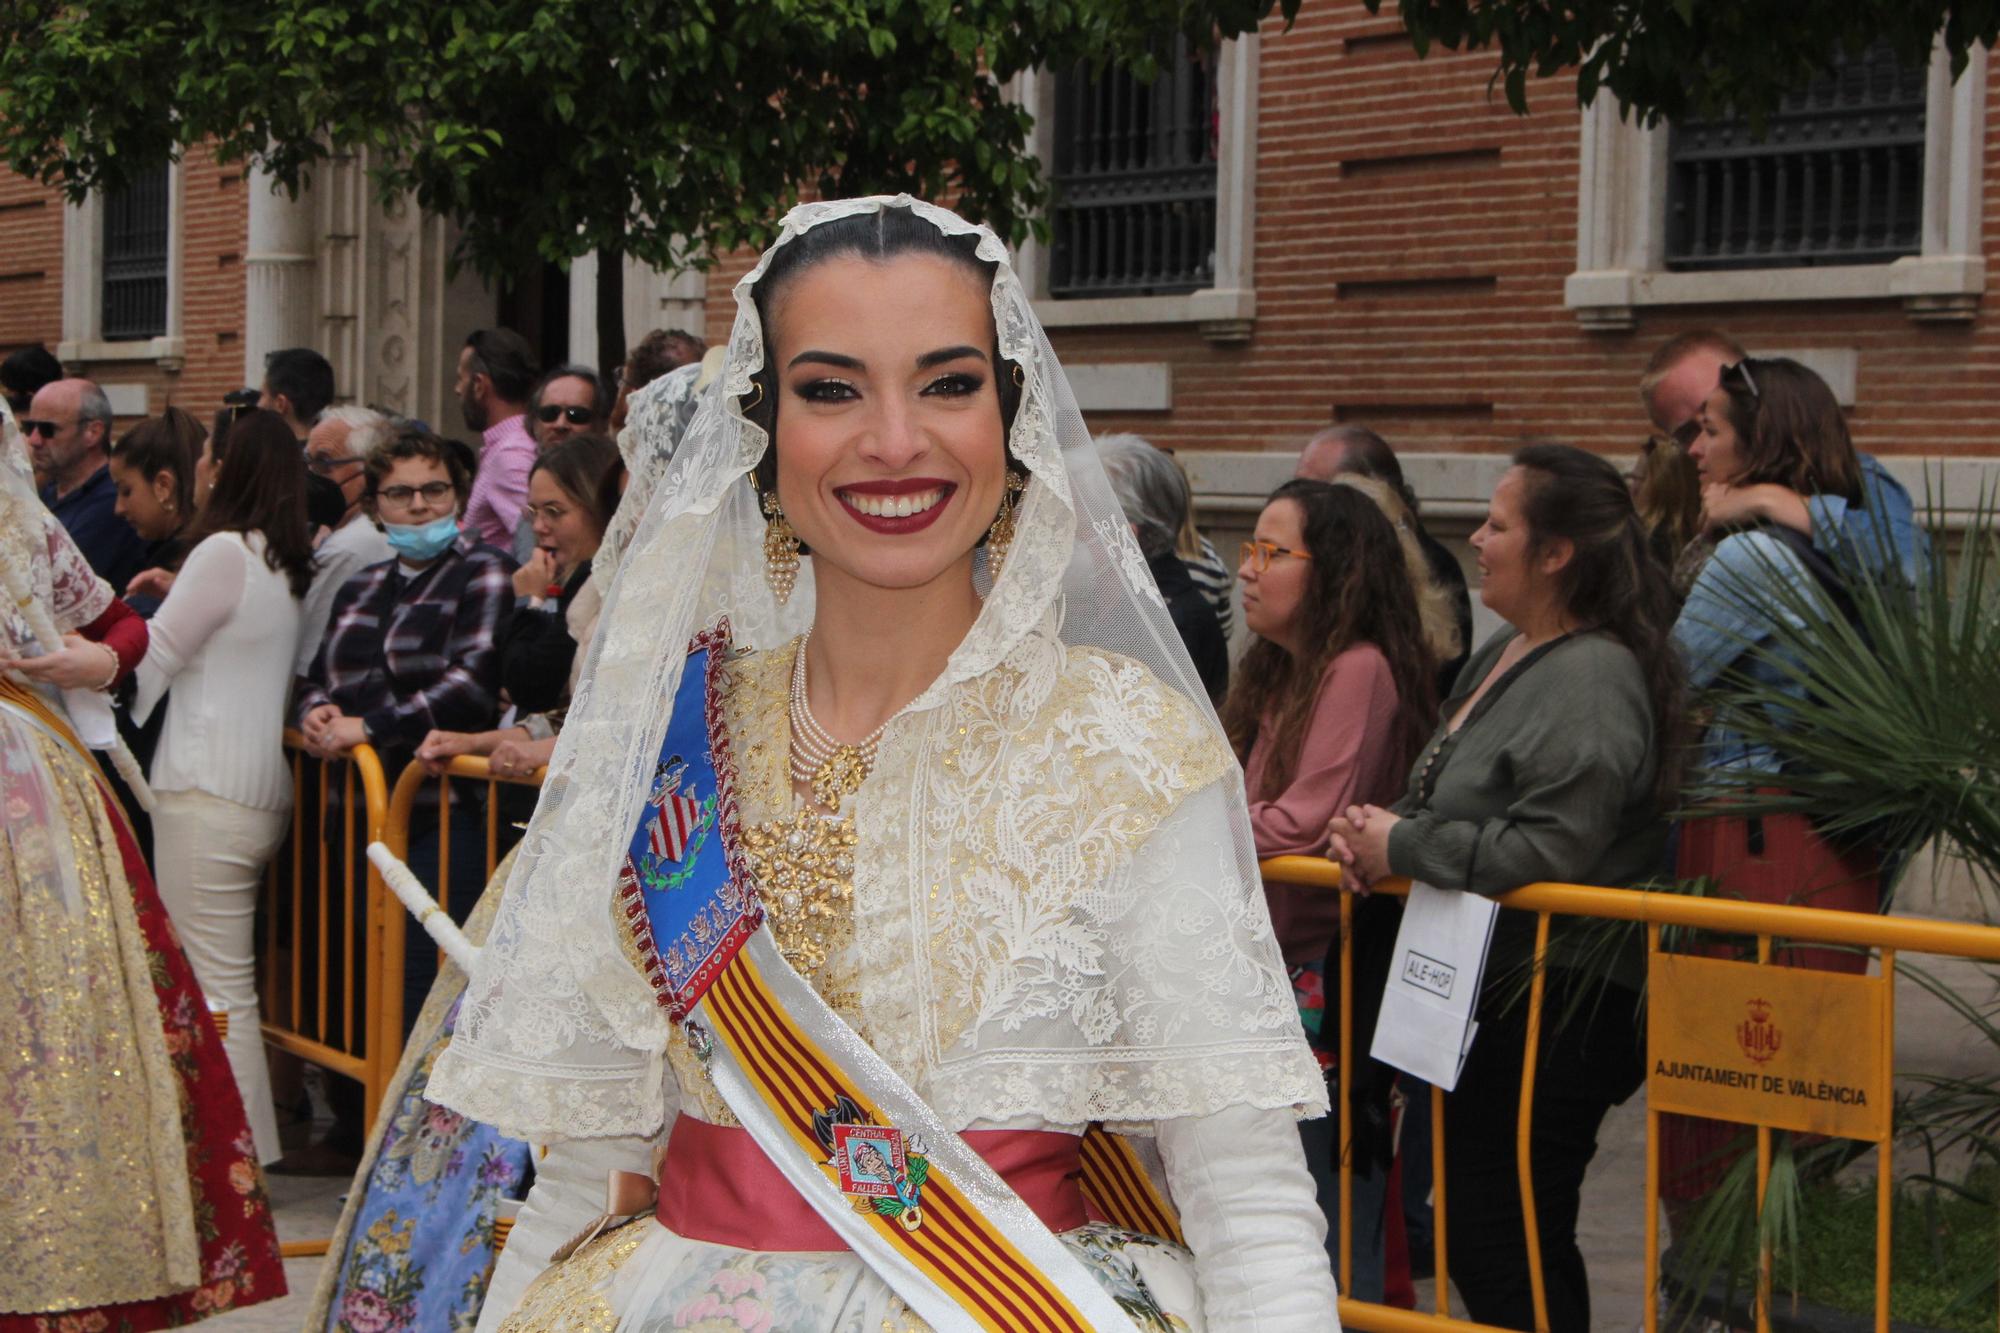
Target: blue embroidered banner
pixel 680 890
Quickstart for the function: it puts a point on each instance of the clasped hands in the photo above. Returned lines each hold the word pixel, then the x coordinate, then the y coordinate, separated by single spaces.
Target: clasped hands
pixel 1359 840
pixel 330 733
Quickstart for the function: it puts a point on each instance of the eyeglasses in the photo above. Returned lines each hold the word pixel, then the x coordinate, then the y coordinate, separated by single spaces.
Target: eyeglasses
pixel 432 491
pixel 1742 370
pixel 324 464
pixel 552 513
pixel 576 416
pixel 1259 555
pixel 30 426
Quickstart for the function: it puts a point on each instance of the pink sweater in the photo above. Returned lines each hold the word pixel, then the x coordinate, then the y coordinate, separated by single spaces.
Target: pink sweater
pixel 1348 757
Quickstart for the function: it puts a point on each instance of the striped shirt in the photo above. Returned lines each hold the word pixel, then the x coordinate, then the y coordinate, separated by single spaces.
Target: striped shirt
pixel 500 487
pixel 1215 581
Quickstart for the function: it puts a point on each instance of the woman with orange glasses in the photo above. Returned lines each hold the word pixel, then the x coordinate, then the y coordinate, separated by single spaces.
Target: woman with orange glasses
pixel 1328 708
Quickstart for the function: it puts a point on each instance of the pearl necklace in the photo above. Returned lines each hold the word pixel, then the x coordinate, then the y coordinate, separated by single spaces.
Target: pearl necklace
pixel 829 767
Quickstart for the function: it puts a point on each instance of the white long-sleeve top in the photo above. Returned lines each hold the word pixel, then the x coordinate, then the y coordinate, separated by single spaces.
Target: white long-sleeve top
pixel 223 642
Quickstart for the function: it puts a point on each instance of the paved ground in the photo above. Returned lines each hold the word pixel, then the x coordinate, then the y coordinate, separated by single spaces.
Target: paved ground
pixel 1929 1040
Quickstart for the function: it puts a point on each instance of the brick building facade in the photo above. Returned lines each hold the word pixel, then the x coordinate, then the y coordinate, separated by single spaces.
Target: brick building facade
pixel 1392 247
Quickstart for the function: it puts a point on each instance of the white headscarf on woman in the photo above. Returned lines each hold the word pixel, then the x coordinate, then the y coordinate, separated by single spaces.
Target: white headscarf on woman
pixel 1150 992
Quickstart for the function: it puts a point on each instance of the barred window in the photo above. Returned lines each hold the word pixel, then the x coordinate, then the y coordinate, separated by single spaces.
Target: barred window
pixel 1135 179
pixel 1837 179
pixel 135 258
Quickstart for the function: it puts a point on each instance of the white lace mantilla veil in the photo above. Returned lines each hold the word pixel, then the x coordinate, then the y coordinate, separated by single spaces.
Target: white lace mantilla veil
pixel 38 560
pixel 1153 991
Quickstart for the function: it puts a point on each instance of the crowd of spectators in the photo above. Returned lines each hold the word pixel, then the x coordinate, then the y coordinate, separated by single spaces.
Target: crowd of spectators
pixel 368 580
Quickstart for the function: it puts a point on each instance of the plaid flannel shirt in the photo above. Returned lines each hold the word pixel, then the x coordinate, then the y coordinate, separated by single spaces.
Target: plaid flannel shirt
pixel 409 652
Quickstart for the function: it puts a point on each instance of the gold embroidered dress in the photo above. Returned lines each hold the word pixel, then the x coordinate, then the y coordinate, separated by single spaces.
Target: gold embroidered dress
pixel 804 862
pixel 1053 918
pixel 129 1203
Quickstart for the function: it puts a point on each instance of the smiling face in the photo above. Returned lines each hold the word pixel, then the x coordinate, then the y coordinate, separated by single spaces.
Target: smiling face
pixel 149 506
pixel 563 527
pixel 891 455
pixel 1272 597
pixel 1716 451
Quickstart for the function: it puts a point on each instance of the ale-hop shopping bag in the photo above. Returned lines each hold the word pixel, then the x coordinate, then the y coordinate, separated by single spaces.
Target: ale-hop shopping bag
pixel 1426 1027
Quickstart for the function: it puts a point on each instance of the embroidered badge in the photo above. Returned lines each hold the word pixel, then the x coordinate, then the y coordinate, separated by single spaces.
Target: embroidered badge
pixel 880 1169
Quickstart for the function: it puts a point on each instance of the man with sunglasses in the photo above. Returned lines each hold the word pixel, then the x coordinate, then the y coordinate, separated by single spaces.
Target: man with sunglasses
pixel 68 430
pixel 1679 378
pixel 570 400
pixel 497 370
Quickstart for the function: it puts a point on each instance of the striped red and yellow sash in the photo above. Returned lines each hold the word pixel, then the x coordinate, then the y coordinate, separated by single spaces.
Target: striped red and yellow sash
pixel 955 1247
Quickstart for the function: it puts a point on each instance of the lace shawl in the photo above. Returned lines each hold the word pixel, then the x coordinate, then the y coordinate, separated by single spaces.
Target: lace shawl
pixel 1056 886
pixel 41 561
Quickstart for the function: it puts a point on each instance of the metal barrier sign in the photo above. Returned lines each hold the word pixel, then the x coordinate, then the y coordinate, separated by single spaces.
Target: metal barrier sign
pixel 1789 1047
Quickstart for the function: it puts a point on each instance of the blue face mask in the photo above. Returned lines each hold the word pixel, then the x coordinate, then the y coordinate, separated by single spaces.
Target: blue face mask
pixel 422 541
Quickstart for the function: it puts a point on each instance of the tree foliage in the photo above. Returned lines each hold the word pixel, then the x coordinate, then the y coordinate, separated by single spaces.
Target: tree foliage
pixel 1672 59
pixel 549 128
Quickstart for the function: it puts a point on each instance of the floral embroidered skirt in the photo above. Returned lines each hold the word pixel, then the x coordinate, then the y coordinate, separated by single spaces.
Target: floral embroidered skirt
pixel 134 1198
pixel 642 1278
pixel 415 1247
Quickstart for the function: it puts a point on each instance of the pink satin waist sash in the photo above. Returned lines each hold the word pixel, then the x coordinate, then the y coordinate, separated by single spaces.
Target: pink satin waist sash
pixel 716 1185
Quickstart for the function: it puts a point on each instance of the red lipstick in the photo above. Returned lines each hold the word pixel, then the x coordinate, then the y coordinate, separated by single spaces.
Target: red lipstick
pixel 895 506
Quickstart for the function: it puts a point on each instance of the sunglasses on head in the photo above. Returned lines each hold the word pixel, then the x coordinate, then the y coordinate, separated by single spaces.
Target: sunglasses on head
pixel 1741 370
pixel 576 416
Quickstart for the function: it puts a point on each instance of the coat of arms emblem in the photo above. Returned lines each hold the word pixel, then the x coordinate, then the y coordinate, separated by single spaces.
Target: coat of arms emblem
pixel 675 816
pixel 1757 1035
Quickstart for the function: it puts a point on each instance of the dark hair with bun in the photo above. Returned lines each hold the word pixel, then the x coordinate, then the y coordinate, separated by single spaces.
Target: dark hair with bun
pixel 169 442
pixel 878 236
pixel 1614 581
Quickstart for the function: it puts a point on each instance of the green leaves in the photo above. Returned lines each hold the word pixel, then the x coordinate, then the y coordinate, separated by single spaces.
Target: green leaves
pixel 547 128
pixel 1669 59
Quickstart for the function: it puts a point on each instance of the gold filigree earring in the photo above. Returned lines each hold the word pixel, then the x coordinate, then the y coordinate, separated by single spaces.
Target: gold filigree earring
pixel 781 550
pixel 1001 535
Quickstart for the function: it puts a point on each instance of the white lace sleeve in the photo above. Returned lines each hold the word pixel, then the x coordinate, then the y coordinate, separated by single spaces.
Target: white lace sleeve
pixel 76 595
pixel 1246 1202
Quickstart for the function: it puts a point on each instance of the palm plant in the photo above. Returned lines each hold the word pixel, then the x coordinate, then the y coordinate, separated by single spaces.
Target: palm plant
pixel 1885 717
pixel 1897 736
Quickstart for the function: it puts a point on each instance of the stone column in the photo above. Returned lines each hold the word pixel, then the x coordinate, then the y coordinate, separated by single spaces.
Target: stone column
pixel 280 308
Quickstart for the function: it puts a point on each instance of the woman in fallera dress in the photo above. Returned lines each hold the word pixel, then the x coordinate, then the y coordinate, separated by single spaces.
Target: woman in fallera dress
pixel 132 1195
pixel 890 846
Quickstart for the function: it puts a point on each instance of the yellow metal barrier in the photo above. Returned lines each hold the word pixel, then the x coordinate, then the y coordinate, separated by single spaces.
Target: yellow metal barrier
pixel 319 1000
pixel 402 803
pixel 1888 935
